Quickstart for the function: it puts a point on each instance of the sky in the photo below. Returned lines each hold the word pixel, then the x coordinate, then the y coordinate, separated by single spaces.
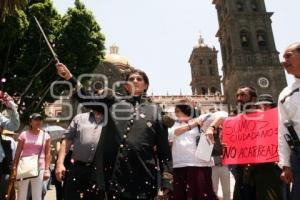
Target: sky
pixel 158 36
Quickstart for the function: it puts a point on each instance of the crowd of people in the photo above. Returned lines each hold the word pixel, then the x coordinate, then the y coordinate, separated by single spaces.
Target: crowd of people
pixel 123 148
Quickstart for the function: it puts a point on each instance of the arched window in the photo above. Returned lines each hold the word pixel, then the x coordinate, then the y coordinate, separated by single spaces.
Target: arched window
pixel 225 11
pixel 213 90
pixel 254 6
pixel 261 40
pixel 245 40
pixel 239 6
pixel 229 48
pixel 203 91
pixel 211 71
pixel 224 53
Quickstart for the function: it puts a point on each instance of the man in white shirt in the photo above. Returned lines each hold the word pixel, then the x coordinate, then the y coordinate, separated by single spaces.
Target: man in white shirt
pixel 289 110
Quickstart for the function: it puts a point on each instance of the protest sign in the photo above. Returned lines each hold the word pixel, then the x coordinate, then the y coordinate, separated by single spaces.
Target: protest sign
pixel 251 138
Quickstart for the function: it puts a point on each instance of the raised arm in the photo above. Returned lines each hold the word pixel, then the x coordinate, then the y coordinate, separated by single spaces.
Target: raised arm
pixel 91 100
pixel 12 122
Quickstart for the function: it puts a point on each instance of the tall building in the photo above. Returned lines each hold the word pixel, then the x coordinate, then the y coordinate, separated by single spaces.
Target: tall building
pixel 248 49
pixel 204 69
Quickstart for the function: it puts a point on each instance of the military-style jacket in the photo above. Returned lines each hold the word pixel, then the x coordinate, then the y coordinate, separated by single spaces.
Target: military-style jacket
pixel 132 143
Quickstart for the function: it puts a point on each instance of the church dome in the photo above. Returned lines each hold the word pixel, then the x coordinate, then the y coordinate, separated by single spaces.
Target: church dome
pixel 117 60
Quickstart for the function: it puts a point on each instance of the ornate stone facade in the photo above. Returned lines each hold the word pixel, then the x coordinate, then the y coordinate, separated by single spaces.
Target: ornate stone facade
pixel 248 49
pixel 203 103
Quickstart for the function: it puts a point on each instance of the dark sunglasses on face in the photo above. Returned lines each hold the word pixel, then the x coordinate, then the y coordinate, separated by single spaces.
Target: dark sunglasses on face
pixel 131 79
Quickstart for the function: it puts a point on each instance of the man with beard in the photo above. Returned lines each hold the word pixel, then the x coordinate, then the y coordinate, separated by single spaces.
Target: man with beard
pixel 243 190
pixel 251 181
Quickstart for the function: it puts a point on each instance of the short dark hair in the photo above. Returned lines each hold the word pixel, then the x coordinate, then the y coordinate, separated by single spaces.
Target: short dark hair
pixel 141 73
pixel 252 90
pixel 185 109
pixel 35 116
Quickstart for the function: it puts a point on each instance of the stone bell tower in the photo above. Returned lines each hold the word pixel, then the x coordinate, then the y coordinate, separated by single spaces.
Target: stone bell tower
pixel 204 69
pixel 248 49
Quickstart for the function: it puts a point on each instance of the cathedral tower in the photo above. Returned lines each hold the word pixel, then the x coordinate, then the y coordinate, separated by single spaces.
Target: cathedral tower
pixel 248 49
pixel 204 69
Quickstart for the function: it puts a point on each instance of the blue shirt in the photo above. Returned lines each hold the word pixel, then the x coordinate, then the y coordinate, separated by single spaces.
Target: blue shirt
pixel 12 122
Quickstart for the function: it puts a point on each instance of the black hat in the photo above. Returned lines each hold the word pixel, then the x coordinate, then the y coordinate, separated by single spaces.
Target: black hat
pixel 35 116
pixel 266 99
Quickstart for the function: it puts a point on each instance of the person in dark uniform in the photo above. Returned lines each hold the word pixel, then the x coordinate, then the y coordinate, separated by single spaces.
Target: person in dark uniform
pixel 133 137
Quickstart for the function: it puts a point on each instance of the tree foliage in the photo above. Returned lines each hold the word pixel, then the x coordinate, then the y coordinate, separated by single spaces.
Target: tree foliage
pixel 81 38
pixel 9 7
pixel 25 60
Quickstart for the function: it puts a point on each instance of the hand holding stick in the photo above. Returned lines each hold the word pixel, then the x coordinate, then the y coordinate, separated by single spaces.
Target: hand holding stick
pixel 63 71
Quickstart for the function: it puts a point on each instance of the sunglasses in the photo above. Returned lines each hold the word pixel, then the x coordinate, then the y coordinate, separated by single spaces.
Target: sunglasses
pixel 139 79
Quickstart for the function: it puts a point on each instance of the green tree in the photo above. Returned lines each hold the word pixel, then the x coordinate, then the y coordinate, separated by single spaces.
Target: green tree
pixel 35 64
pixel 81 43
pixel 27 62
pixel 11 31
pixel 9 7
